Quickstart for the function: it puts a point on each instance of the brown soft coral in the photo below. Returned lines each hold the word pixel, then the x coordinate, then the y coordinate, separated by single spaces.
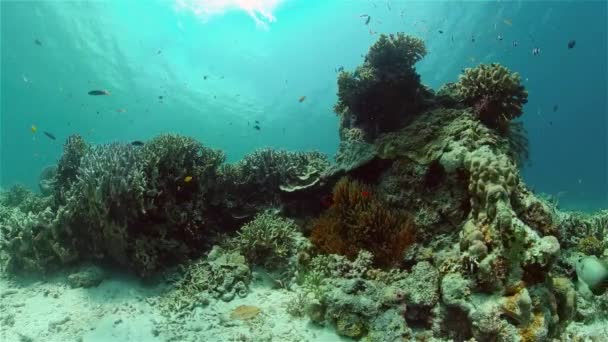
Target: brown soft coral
pixel 358 220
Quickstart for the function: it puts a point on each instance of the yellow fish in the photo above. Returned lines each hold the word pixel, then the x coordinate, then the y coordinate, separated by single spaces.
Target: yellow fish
pixel 508 22
pixel 187 179
pixel 34 129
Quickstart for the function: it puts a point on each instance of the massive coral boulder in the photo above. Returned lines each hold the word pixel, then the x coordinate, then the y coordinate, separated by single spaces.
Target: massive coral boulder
pixel 495 93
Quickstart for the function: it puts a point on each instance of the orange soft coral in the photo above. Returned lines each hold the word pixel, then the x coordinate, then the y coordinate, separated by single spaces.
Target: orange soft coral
pixel 359 220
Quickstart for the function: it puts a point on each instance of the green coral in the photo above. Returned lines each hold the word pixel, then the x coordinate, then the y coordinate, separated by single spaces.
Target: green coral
pixel 590 245
pixel 496 94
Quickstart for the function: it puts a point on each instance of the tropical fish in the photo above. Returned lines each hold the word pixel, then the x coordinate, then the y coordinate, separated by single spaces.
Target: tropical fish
pixel 137 143
pixel 50 135
pixel 99 92
pixel 34 128
pixel 301 99
pixel 571 44
pixel 187 179
pixel 365 194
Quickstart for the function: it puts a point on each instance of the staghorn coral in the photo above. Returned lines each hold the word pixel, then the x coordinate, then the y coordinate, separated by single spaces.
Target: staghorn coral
pixel 358 220
pixel 269 240
pixel 383 93
pixel 67 168
pixel 496 94
pixel 266 178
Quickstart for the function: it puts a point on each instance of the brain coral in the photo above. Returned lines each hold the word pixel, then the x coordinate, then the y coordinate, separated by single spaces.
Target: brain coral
pixel 495 93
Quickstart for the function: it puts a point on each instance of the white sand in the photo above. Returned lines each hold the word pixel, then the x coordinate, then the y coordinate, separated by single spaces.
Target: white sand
pixel 121 309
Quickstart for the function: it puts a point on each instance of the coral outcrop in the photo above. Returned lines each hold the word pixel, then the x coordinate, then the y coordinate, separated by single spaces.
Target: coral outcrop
pixel 383 93
pixel 495 94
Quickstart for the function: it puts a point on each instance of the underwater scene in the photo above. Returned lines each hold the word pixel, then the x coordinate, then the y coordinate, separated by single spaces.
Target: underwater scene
pixel 303 170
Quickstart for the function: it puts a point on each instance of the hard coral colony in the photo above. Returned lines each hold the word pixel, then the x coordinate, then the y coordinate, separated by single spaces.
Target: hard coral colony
pixel 428 233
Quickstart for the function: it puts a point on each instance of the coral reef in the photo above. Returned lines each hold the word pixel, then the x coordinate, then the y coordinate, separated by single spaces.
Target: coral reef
pixel 496 95
pixel 422 230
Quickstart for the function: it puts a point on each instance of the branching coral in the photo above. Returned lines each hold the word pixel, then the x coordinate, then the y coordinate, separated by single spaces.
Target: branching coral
pixel 359 220
pixel 73 150
pixel 394 56
pixel 495 93
pixel 385 91
pixel 269 240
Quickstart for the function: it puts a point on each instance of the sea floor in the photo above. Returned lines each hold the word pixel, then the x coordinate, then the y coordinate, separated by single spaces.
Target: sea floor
pixel 122 309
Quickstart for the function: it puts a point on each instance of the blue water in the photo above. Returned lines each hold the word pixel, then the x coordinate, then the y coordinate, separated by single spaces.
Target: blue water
pixel 140 50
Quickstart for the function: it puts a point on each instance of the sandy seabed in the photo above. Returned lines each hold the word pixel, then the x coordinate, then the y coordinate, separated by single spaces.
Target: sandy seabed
pixel 123 309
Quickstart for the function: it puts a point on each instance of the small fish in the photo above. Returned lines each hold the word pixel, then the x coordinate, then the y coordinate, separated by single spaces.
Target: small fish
pixel 49 135
pixel 499 37
pixel 515 43
pixel 34 128
pixel 257 122
pixel 99 92
pixel 535 51
pixel 38 42
pixel 301 99
pixel 369 18
pixel 121 110
pixel 137 143
pixel 508 22
pixel 159 52
pixel 472 39
pixel 440 31
pixel 25 79
pixel 187 179
pixel 571 44
pixel 555 108
pixel 160 97
pixel 340 69
pixel 205 77
pixel 257 127
pixel 365 194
